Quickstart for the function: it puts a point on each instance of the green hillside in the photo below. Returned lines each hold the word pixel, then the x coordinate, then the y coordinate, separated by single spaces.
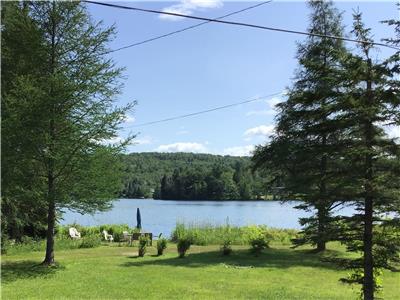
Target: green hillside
pixel 190 176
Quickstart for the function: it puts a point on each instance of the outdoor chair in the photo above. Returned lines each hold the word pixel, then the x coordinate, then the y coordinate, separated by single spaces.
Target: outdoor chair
pixel 125 236
pixel 108 237
pixel 73 233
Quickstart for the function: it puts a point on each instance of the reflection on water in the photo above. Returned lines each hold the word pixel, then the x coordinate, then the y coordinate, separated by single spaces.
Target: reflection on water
pixel 160 216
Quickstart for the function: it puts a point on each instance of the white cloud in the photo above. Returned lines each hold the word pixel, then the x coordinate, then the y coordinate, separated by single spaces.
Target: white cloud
pixel 239 150
pixel 187 7
pixel 182 147
pixel 263 130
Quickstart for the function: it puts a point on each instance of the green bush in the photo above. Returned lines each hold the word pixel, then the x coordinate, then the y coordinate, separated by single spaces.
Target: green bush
pixel 90 242
pixel 258 244
pixel 143 241
pixel 226 247
pixel 183 245
pixel 161 246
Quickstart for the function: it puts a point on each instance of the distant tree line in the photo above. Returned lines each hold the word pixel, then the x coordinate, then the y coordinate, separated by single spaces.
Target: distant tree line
pixel 189 176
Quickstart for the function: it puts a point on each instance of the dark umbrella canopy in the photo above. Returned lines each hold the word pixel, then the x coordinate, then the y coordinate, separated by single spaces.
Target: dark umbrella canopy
pixel 138 219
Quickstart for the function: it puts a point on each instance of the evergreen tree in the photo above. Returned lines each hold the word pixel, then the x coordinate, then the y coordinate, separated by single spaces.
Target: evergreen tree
pixel 21 49
pixel 303 153
pixel 372 161
pixel 68 97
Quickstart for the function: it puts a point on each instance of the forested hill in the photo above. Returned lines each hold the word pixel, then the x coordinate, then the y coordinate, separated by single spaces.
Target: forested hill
pixel 189 176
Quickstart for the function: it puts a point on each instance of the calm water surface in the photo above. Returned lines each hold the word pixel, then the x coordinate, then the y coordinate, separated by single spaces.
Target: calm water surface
pixel 160 216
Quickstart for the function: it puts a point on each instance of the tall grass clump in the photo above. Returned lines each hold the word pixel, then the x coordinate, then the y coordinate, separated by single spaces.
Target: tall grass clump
pixel 226 247
pixel 143 241
pixel 161 246
pixel 208 234
pixel 183 245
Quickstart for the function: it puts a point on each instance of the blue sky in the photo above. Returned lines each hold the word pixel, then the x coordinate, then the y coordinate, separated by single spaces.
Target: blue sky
pixel 213 65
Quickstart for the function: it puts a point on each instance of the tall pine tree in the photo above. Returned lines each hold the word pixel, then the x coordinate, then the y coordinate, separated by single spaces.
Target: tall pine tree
pixel 303 152
pixel 371 161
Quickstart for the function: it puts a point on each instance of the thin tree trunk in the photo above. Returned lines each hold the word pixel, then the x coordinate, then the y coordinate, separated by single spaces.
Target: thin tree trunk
pixel 322 209
pixel 51 220
pixel 51 196
pixel 321 243
pixel 368 285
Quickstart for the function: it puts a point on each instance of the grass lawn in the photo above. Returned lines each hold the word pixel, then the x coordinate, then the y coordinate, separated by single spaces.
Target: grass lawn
pixel 112 272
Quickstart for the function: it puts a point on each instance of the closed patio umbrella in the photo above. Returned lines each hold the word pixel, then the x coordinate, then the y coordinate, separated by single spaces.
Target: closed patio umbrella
pixel 138 219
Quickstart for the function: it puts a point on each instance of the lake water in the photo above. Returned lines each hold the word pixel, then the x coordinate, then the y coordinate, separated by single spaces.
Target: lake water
pixel 160 216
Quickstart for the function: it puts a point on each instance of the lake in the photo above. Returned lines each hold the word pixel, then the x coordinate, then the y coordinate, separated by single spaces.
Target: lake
pixel 161 216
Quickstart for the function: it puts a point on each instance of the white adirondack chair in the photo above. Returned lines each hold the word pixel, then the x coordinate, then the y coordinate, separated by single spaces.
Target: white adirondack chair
pixel 108 237
pixel 73 233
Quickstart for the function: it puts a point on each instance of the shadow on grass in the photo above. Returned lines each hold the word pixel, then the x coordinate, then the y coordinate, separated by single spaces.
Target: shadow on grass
pixel 11 271
pixel 275 258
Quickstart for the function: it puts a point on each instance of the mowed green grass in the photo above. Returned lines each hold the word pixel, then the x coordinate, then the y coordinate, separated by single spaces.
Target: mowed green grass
pixel 111 272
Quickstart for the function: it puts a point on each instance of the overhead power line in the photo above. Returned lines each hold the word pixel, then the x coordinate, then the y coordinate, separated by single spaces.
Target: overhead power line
pixel 205 111
pixel 186 28
pixel 242 24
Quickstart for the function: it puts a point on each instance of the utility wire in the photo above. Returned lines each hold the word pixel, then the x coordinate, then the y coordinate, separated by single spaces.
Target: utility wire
pixel 186 28
pixel 204 111
pixel 242 24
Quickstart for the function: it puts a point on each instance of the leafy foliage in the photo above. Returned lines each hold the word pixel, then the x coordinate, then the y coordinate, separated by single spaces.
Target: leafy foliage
pixel 183 245
pixel 226 247
pixel 59 112
pixel 189 176
pixel 257 245
pixel 143 242
pixel 208 234
pixel 161 246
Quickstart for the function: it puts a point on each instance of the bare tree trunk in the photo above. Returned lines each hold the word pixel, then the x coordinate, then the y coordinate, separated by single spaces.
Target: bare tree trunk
pixel 368 284
pixel 51 220
pixel 51 196
pixel 321 243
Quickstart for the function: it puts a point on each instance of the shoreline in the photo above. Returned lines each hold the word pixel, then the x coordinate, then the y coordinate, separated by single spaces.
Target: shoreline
pixel 210 200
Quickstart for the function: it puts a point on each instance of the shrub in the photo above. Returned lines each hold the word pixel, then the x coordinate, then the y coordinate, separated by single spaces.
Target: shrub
pixel 90 242
pixel 258 244
pixel 183 245
pixel 161 246
pixel 143 241
pixel 226 247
